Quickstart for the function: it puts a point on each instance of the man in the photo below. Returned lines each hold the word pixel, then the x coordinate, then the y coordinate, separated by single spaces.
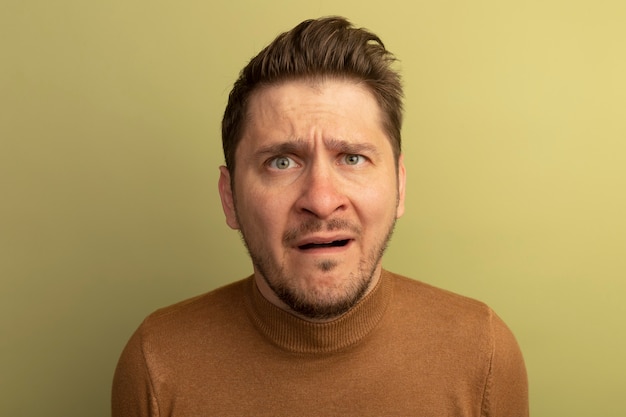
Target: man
pixel 314 181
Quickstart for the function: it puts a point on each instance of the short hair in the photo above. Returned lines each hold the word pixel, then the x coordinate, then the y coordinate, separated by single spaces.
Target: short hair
pixel 315 49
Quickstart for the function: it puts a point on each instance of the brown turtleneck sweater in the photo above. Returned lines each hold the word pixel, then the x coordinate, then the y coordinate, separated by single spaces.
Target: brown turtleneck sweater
pixel 407 349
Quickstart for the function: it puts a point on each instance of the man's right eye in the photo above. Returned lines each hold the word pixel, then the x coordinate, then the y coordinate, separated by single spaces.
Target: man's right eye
pixel 282 162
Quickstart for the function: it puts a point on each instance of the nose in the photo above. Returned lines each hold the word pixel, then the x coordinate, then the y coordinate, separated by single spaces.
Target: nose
pixel 322 192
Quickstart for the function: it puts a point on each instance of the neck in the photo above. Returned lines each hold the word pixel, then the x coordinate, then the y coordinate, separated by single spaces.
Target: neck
pixel 301 335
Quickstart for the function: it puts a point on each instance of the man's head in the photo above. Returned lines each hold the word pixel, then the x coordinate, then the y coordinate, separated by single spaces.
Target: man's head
pixel 317 49
pixel 315 181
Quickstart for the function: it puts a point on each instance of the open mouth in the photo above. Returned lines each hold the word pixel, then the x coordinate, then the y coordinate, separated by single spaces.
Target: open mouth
pixel 333 244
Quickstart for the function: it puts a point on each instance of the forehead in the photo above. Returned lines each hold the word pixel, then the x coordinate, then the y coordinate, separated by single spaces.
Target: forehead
pixel 338 109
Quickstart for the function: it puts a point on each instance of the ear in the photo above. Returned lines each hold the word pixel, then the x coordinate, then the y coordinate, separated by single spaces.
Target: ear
pixel 401 187
pixel 226 195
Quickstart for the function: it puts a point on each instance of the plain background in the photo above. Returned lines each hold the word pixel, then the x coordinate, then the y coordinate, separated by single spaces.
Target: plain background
pixel 515 144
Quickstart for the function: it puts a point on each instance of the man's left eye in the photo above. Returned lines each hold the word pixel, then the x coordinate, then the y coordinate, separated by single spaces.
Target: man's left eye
pixel 353 159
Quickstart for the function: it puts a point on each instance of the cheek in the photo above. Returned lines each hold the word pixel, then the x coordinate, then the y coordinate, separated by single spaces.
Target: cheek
pixel 262 214
pixel 377 201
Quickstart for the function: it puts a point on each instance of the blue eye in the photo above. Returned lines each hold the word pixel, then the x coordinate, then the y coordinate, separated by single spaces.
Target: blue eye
pixel 281 162
pixel 352 159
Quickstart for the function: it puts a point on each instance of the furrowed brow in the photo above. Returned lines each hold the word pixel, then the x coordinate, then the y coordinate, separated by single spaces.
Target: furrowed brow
pixel 282 148
pixel 345 147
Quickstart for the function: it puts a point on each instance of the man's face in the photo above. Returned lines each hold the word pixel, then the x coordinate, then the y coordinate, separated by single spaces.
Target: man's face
pixel 316 193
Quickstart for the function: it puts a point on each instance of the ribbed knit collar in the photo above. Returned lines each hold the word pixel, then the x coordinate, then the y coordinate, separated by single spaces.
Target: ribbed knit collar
pixel 297 335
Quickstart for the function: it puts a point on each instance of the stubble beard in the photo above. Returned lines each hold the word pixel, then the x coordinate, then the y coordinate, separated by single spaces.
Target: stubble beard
pixel 319 303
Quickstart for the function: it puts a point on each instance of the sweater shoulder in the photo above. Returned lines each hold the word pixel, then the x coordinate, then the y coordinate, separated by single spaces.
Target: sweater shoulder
pixel 422 290
pixel 415 297
pixel 211 307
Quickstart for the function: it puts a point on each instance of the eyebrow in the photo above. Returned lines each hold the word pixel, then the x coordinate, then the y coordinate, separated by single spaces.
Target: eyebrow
pixel 297 146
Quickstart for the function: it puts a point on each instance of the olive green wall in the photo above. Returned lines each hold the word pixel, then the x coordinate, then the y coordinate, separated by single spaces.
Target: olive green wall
pixel 515 142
